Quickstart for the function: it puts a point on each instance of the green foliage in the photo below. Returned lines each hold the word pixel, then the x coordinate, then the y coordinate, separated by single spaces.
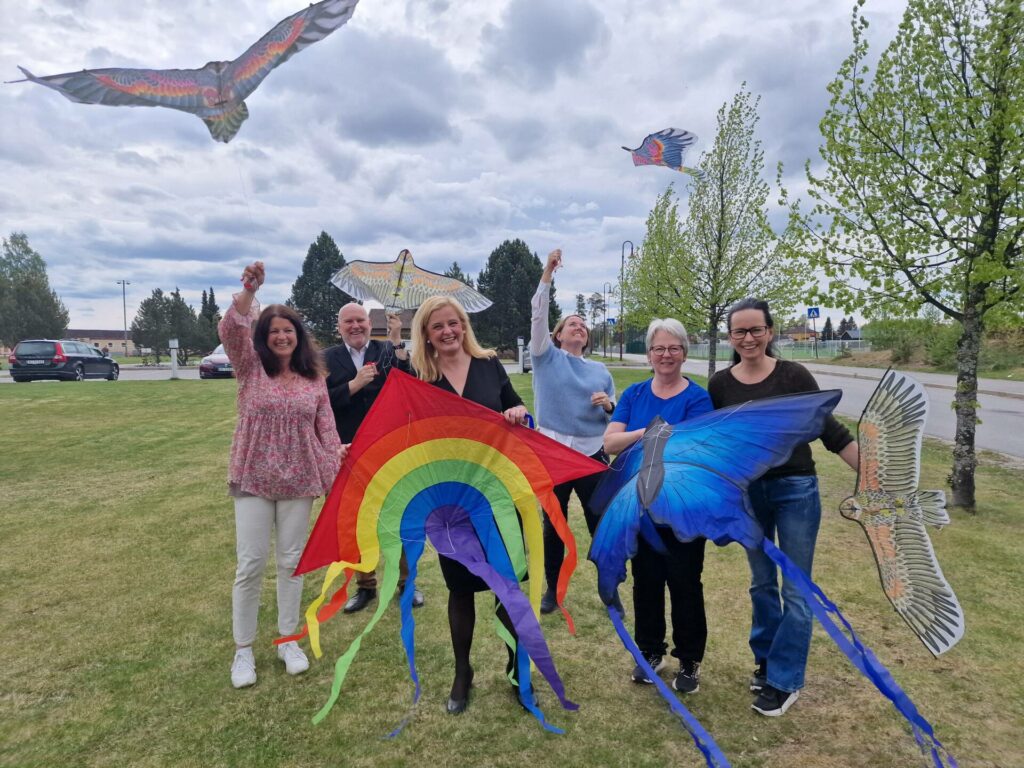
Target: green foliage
pixel 828 333
pixel 28 307
pixel 726 249
pixel 313 296
pixel 166 316
pixel 921 198
pixel 456 271
pixel 581 305
pixel 152 326
pixel 509 279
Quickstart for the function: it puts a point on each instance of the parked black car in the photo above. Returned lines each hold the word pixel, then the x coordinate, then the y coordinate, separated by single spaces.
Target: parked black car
pixel 63 360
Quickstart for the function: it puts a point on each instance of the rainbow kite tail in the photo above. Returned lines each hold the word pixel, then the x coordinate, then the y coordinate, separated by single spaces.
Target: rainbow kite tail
pixel 554 512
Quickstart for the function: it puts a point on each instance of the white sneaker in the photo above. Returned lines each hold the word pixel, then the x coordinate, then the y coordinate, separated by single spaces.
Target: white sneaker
pixel 295 661
pixel 243 668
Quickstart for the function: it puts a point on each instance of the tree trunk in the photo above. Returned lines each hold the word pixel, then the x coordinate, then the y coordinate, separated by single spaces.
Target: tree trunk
pixel 712 339
pixel 966 405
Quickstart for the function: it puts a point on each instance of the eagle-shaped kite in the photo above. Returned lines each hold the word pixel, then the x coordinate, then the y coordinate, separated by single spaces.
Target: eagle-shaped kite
pixel 666 148
pixel 217 92
pixel 893 512
pixel 400 284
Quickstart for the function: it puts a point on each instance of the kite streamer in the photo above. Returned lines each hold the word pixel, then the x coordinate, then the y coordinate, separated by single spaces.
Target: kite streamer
pixel 693 478
pixel 427 465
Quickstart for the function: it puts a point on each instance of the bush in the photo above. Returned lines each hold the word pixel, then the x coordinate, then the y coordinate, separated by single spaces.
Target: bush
pixel 941 345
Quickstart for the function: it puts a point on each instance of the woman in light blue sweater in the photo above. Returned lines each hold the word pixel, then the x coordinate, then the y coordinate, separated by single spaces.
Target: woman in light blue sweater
pixel 574 397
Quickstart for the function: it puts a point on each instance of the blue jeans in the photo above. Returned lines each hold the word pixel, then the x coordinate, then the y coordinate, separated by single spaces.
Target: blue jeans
pixel 789 511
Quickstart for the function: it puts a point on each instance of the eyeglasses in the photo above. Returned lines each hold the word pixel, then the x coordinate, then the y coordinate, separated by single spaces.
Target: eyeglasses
pixel 757 332
pixel 675 349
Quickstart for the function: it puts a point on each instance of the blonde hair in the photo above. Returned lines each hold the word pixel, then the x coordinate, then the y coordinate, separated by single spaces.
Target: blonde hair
pixel 424 357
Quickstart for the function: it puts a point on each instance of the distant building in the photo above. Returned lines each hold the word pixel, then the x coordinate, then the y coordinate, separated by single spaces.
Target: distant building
pixel 114 340
pixel 379 324
pixel 853 335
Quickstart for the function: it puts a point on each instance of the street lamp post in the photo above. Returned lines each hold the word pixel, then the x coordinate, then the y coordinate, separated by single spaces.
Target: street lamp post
pixel 622 294
pixel 124 311
pixel 604 305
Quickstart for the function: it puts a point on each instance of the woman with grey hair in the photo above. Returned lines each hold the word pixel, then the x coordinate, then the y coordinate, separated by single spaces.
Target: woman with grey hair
pixel 674 398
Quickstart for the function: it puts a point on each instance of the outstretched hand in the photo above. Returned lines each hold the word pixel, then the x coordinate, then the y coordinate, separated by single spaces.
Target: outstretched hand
pixel 253 276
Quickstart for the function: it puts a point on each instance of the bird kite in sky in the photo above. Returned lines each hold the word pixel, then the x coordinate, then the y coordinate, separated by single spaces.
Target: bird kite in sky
pixel 893 512
pixel 400 284
pixel 215 93
pixel 693 477
pixel 429 466
pixel 666 148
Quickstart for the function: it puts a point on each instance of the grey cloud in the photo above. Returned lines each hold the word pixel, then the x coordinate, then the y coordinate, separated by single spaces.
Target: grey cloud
pixel 380 90
pixel 518 138
pixel 539 39
pixel 137 193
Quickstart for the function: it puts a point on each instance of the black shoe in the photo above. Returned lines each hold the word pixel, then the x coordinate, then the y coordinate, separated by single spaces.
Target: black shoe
pixel 772 702
pixel 360 599
pixel 759 679
pixel 657 662
pixel 688 678
pixel 458 706
pixel 548 603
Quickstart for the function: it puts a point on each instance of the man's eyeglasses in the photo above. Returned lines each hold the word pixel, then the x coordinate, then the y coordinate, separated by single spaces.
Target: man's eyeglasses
pixel 675 349
pixel 757 332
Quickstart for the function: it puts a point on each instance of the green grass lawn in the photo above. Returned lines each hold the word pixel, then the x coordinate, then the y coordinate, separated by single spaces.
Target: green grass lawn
pixel 118 558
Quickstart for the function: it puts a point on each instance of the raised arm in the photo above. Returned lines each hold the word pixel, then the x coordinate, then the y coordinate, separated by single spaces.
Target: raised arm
pixel 540 333
pixel 235 328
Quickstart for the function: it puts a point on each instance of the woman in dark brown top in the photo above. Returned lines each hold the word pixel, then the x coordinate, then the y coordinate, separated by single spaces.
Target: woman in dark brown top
pixel 786 502
pixel 447 355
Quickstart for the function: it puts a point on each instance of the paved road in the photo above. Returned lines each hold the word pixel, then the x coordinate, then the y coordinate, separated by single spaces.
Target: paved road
pixel 1002 402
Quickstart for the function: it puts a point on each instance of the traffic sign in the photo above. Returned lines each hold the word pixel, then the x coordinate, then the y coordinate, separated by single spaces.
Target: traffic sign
pixel 812 312
pixel 611 321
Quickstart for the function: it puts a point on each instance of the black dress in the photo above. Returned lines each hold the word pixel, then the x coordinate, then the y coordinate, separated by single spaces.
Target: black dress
pixel 488 385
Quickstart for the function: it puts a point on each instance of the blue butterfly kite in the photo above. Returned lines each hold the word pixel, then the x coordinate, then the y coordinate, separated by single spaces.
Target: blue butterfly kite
pixel 692 477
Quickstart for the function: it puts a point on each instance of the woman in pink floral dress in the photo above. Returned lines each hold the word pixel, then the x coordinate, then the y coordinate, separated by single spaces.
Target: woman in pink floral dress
pixel 284 454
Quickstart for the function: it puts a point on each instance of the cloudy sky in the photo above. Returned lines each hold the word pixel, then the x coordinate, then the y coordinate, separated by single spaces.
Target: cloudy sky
pixel 443 126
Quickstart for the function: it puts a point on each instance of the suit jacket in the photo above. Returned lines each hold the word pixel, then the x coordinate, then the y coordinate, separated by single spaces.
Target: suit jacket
pixel 350 410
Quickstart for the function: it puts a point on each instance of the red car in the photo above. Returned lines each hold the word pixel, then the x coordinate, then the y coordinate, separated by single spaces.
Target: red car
pixel 216 365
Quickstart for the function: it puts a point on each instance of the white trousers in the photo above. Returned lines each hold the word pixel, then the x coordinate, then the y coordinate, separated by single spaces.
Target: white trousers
pixel 255 518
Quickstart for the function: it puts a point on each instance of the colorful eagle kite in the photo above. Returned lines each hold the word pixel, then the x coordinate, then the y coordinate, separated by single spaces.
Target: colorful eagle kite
pixel 693 477
pixel 893 512
pixel 427 465
pixel 666 148
pixel 400 284
pixel 217 92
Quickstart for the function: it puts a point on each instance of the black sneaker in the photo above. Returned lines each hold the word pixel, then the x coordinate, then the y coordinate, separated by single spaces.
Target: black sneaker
pixel 657 662
pixel 759 679
pixel 772 702
pixel 688 678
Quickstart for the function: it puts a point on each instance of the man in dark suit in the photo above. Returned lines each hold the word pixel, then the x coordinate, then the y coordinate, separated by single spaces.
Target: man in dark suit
pixel 357 370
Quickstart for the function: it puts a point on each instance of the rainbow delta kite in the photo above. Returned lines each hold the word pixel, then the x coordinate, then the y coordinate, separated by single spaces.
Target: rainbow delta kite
pixel 429 465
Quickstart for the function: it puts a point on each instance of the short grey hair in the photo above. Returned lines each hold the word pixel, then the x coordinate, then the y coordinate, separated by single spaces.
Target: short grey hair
pixel 669 325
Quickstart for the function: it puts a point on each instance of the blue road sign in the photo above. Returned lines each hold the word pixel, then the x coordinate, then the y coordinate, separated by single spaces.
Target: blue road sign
pixel 611 321
pixel 812 312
